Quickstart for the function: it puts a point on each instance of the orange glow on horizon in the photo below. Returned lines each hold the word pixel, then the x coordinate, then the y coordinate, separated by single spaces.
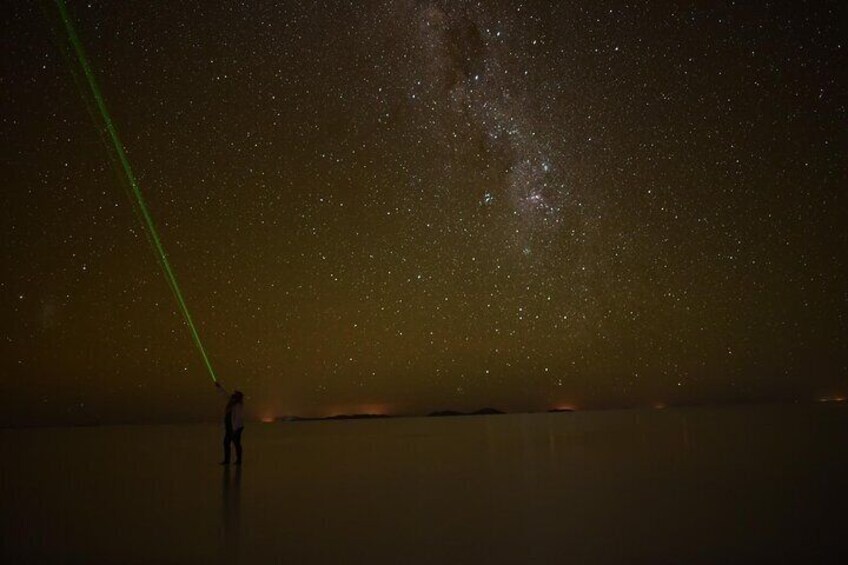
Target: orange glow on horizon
pixel 839 398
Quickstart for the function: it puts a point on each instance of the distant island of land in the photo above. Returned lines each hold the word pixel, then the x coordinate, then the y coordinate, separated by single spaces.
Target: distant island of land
pixel 835 400
pixel 335 417
pixel 436 414
pixel 480 412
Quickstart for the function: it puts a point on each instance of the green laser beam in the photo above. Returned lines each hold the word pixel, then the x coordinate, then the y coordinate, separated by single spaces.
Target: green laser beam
pixel 156 242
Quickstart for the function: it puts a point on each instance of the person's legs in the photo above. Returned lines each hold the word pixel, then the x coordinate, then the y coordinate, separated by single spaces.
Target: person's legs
pixel 228 437
pixel 237 442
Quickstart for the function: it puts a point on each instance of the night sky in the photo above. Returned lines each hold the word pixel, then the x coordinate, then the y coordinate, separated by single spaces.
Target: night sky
pixel 408 206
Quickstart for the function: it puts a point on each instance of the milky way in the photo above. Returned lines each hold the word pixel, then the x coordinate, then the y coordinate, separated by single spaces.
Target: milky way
pixel 408 206
pixel 477 66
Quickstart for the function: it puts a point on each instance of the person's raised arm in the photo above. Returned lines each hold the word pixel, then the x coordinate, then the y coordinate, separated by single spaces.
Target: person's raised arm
pixel 221 389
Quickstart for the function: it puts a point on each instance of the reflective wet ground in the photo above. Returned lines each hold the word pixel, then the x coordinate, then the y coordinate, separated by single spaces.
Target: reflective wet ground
pixel 718 485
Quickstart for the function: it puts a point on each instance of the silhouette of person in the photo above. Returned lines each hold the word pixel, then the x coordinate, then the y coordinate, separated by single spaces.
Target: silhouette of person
pixel 233 423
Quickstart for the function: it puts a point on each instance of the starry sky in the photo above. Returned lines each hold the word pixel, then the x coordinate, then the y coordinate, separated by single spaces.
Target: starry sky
pixel 404 206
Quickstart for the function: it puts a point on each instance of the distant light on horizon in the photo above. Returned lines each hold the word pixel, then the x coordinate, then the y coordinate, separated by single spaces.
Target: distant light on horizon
pixel 837 398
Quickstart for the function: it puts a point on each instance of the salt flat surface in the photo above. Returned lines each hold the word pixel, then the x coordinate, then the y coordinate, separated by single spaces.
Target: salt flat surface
pixel 717 485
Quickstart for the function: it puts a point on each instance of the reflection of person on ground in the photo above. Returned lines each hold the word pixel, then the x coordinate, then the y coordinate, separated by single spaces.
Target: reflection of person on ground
pixel 233 423
pixel 231 508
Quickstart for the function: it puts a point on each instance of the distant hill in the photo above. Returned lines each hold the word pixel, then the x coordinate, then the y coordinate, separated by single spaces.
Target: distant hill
pixel 437 414
pixel 336 417
pixel 487 412
pixel 480 412
pixel 357 416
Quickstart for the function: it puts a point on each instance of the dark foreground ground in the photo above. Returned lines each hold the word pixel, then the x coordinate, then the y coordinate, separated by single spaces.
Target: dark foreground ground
pixel 727 485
